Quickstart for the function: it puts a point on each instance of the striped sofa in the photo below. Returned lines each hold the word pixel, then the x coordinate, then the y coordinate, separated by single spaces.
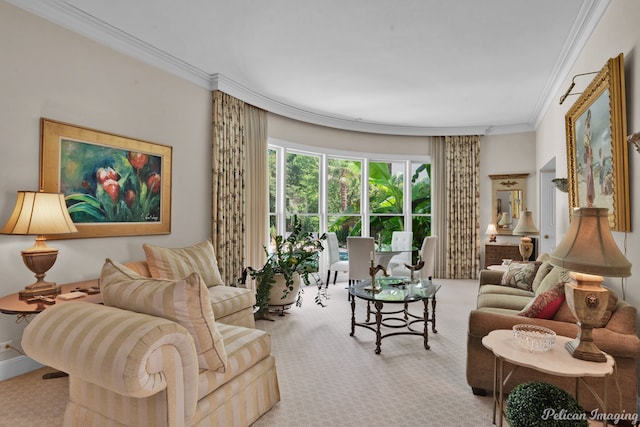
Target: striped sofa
pixel 154 355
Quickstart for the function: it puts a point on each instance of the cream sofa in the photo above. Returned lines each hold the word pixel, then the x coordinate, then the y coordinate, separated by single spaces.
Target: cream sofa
pixel 154 355
pixel 497 308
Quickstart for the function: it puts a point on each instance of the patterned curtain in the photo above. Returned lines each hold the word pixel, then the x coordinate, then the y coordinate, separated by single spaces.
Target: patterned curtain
pixel 257 188
pixel 228 185
pixel 462 158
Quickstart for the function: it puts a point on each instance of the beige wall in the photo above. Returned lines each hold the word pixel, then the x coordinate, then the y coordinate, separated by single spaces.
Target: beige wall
pixel 290 130
pixel 617 32
pixel 50 72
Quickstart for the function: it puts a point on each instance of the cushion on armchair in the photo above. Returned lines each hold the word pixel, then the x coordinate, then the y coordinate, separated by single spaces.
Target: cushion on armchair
pixel 176 263
pixel 185 301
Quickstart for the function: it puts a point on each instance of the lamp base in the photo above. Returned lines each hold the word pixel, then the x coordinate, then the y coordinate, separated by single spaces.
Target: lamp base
pixel 39 288
pixel 588 302
pixel 39 259
pixel 526 247
pixel 584 350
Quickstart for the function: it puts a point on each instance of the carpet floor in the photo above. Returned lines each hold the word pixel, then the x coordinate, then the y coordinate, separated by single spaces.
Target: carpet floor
pixel 326 376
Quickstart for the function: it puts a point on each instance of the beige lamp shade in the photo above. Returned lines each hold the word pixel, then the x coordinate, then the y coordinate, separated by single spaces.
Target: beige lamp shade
pixel 491 230
pixel 526 225
pixel 37 213
pixel 505 220
pixel 589 247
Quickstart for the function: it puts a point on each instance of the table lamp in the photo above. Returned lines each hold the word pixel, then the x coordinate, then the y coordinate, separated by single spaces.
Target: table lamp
pixel 589 251
pixel 491 232
pixel 505 220
pixel 525 228
pixel 39 214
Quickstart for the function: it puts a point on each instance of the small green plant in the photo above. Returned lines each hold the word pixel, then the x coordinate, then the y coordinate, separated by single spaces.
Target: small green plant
pixel 540 404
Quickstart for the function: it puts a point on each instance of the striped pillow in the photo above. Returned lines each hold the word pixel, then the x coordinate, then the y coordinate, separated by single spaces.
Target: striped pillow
pixel 184 301
pixel 176 263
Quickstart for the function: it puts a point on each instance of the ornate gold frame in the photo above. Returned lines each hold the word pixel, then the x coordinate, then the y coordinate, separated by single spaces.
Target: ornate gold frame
pixel 52 134
pixel 604 133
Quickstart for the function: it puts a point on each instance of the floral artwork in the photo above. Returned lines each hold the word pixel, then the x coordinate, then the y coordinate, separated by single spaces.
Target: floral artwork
pixel 113 185
pixel 107 184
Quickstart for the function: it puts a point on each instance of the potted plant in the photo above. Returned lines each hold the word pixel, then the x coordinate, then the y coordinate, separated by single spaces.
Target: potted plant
pixel 540 404
pixel 292 258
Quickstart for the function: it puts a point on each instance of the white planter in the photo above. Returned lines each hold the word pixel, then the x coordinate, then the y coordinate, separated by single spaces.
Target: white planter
pixel 277 291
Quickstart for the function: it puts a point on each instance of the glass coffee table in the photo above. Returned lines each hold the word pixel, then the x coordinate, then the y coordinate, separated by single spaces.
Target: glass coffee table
pixel 395 290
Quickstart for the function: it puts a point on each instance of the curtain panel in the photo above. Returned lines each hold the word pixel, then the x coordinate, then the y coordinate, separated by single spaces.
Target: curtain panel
pixel 257 188
pixel 228 185
pixel 462 166
pixel 439 203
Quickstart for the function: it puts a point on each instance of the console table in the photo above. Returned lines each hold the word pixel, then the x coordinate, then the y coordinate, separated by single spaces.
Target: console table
pixel 556 361
pixel 494 253
pixel 12 304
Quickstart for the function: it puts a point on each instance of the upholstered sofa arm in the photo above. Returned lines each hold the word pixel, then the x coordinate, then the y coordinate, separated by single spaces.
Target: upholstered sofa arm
pixel 612 342
pixel 128 353
pixel 490 277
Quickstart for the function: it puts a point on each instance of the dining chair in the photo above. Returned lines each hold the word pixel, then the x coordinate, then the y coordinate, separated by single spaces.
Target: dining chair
pixel 335 263
pixel 360 250
pixel 401 241
pixel 427 253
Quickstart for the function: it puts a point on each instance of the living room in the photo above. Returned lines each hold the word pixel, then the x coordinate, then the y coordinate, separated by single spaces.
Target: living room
pixel 52 72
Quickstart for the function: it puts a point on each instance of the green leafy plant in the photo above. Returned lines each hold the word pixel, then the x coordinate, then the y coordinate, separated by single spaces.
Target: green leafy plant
pixel 295 254
pixel 540 404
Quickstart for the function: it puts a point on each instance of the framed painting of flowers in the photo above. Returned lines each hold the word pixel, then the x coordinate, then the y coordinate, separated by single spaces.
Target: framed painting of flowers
pixel 113 185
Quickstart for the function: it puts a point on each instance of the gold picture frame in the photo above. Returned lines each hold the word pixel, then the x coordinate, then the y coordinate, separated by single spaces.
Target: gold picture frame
pixel 597 158
pixel 113 185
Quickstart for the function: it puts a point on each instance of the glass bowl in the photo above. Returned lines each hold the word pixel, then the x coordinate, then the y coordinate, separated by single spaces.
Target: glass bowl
pixel 533 337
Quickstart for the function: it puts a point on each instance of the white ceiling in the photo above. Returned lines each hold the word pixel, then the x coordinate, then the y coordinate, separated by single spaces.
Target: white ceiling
pixel 412 67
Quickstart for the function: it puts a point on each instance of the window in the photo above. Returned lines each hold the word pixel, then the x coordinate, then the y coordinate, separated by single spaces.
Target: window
pixel 348 196
pixel 420 202
pixel 386 195
pixel 302 190
pixel 344 195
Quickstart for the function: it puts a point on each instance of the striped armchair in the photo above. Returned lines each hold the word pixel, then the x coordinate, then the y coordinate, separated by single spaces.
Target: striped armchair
pixel 159 358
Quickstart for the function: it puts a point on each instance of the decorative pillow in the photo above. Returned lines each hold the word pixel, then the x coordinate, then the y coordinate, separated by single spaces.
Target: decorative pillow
pixel 544 269
pixel 520 275
pixel 545 305
pixel 184 301
pixel 555 277
pixel 176 263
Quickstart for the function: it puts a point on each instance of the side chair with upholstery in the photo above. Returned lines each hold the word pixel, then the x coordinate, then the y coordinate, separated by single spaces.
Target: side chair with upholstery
pixel 401 241
pixel 360 250
pixel 427 253
pixel 335 263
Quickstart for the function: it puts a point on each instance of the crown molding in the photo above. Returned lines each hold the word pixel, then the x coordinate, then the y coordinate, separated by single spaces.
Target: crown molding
pixel 582 28
pixel 76 20
pixel 235 89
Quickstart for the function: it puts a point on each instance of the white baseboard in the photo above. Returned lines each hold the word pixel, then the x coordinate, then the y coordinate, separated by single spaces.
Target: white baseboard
pixel 17 366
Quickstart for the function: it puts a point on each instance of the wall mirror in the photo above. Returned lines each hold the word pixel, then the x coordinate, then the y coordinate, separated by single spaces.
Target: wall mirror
pixel 508 200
